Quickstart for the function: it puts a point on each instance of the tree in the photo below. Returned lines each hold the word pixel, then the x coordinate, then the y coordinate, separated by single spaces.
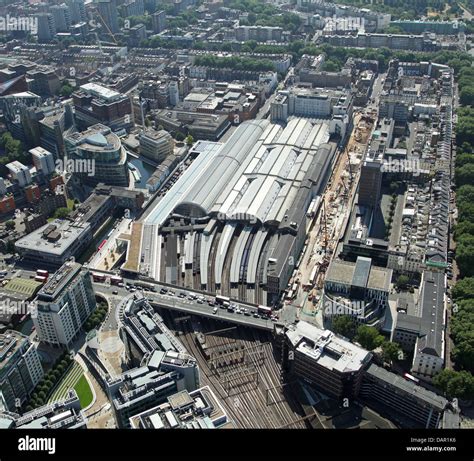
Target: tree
pixel 402 281
pixel 390 351
pixel 453 384
pixel 369 337
pixel 466 96
pixel 464 289
pixel 10 225
pixel 179 136
pixel 344 325
pixel 61 213
pixel 189 140
pixel 66 90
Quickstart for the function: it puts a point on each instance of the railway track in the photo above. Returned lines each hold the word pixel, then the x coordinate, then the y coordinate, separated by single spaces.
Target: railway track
pixel 242 386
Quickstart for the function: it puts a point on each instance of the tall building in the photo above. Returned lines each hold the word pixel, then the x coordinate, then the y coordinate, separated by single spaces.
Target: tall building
pixel 370 182
pixel 43 160
pixel 95 103
pixel 63 305
pixel 46 27
pixel 20 369
pixel 43 81
pixel 159 22
pixel 62 17
pixel 156 145
pixel 107 10
pixel 19 172
pixel 102 155
pixel 133 8
pixel 77 10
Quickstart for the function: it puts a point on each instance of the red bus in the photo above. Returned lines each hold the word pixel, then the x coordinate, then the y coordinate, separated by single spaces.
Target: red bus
pixel 42 272
pixel 115 279
pixel 40 278
pixel 98 277
pixel 264 310
pixel 101 245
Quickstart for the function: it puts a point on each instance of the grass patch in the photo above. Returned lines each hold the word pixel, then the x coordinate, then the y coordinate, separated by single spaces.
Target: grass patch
pixel 84 392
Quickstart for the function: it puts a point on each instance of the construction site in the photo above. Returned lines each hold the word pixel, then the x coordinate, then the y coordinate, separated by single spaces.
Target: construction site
pixel 329 221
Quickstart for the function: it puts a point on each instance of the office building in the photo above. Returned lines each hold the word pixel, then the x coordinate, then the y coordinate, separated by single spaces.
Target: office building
pixel 198 409
pixel 77 11
pixel 133 8
pixel 357 289
pixel 46 27
pixel 54 243
pixel 43 81
pixel 64 304
pixel 159 22
pixel 370 182
pixel 156 145
pixel 43 160
pixel 102 156
pixel 413 405
pixel 95 103
pixel 329 362
pixel 163 365
pixel 65 414
pixel 107 10
pixel 62 17
pixel 19 173
pixel 20 370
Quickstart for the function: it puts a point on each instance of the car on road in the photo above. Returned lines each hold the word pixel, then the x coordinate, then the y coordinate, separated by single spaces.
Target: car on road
pixel 182 295
pixel 214 311
pixel 246 311
pixel 199 301
pixel 171 293
pixel 163 291
pixel 115 292
pixel 211 302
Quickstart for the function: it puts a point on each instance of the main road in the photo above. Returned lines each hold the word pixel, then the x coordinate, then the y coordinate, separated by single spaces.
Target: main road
pixel 186 301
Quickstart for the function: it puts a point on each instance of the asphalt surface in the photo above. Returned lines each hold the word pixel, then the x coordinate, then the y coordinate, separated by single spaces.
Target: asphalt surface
pixel 181 303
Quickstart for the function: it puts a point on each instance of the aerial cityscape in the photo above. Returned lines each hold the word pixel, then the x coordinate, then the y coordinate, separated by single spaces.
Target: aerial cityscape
pixel 236 214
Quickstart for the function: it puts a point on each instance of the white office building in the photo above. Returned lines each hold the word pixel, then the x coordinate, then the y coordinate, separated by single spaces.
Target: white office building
pixel 156 145
pixel 19 172
pixel 64 304
pixel 43 160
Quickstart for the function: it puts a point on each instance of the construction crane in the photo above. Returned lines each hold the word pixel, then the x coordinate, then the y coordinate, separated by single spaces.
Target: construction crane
pixel 107 27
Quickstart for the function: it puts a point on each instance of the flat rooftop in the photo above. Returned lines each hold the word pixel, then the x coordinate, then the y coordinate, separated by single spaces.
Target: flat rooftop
pixel 100 91
pixel 10 342
pixel 350 273
pixel 53 238
pixel 327 349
